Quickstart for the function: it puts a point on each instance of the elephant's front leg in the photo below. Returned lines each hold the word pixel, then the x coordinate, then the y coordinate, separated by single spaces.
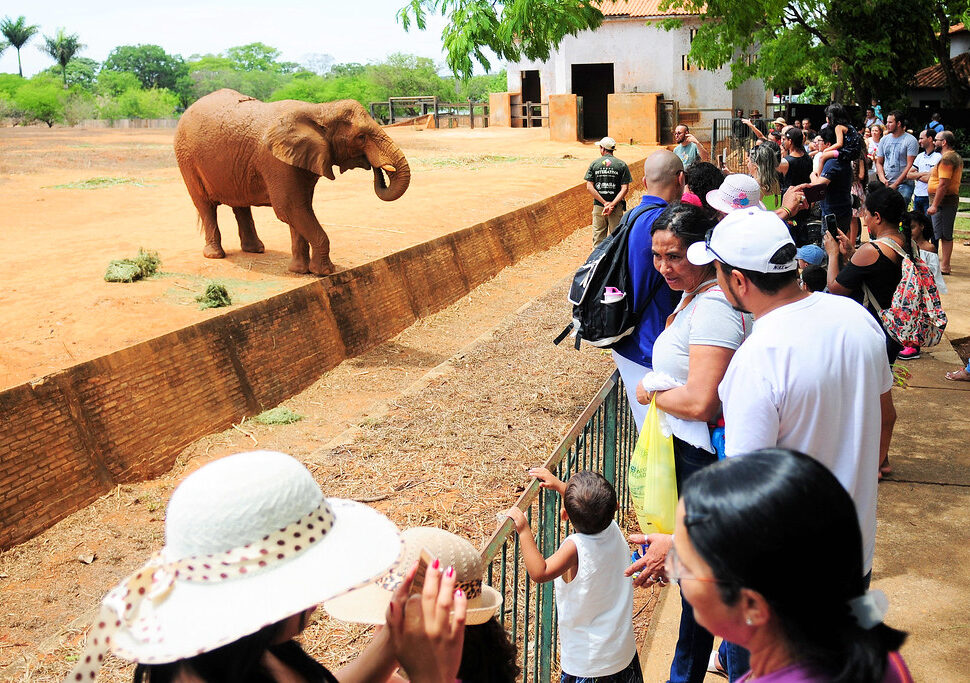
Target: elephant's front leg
pixel 297 212
pixel 248 239
pixel 300 263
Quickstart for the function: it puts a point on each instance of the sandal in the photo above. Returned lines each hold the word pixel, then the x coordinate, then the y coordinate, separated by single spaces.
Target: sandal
pixel 714 665
pixel 960 375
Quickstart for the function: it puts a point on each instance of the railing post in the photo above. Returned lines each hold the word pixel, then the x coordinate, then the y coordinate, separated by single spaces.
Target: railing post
pixel 548 524
pixel 471 114
pixel 610 435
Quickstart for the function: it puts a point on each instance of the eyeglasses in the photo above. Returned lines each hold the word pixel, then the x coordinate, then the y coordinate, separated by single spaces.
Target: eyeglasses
pixel 707 243
pixel 676 571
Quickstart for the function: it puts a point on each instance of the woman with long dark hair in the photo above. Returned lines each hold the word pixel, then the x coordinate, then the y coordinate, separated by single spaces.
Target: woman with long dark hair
pixel 871 273
pixel 746 558
pixel 690 358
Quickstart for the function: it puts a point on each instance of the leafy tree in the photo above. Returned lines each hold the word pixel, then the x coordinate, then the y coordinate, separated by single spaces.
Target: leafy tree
pixel 78 106
pixel 407 75
pixel 81 72
pixel 62 47
pixel 10 83
pixel 17 33
pixel 259 57
pixel 858 51
pixel 348 69
pixel 156 103
pixel 154 67
pixel 512 29
pixel 41 99
pixel 113 83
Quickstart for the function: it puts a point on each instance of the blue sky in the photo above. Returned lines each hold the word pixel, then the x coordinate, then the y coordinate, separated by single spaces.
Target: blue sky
pixel 349 30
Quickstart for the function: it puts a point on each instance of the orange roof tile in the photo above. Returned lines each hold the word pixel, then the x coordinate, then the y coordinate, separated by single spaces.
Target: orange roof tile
pixel 933 76
pixel 958 28
pixel 638 8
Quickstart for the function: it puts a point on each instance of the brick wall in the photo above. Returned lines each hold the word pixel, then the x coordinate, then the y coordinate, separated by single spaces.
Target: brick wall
pixel 68 438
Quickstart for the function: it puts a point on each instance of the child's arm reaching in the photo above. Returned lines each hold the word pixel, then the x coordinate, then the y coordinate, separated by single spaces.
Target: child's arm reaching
pixel 548 479
pixel 840 132
pixel 541 569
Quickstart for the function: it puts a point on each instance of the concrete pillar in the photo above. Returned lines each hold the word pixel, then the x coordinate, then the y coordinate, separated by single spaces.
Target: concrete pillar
pixel 634 117
pixel 564 122
pixel 500 109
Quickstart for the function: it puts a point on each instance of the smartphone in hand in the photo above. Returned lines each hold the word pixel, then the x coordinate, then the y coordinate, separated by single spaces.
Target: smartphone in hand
pixel 831 224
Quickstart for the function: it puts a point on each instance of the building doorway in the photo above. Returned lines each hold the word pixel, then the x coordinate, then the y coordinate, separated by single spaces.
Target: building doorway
pixel 593 82
pixel 532 92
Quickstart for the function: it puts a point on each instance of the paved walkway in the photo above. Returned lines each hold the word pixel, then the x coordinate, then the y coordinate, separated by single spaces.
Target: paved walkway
pixel 923 541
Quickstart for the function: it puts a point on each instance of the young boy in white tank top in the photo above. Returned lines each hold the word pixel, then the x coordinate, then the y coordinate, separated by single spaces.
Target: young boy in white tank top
pixel 594 601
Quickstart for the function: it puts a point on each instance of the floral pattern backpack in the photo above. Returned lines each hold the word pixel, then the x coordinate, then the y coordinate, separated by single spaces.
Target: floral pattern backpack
pixel 916 315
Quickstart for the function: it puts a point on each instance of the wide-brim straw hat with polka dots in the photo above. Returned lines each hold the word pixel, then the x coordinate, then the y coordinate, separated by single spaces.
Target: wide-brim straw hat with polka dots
pixel 368 605
pixel 250 540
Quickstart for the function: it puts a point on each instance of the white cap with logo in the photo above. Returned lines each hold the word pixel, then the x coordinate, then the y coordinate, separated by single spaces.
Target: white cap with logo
pixel 746 239
pixel 607 143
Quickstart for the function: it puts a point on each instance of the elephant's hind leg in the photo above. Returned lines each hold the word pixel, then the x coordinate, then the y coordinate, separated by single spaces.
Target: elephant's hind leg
pixel 213 238
pixel 248 239
pixel 300 263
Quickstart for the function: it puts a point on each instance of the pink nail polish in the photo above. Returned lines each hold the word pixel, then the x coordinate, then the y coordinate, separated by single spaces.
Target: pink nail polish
pixel 435 564
pixel 459 593
pixel 450 572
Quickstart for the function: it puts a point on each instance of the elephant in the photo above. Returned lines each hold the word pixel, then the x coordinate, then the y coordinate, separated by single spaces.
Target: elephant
pixel 236 150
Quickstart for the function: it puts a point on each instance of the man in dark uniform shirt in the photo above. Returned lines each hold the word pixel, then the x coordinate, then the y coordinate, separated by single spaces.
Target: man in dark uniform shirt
pixel 608 180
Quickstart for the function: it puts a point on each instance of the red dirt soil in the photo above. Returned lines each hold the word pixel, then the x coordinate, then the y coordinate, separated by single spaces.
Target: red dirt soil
pixel 57 310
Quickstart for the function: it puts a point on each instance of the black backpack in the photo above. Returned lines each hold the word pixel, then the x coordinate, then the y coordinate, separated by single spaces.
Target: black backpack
pixel 595 321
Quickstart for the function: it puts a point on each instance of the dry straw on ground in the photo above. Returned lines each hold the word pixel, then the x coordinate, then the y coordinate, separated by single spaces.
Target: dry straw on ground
pixel 450 453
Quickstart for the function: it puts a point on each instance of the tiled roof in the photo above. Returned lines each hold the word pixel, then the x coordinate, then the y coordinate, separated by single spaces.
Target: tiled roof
pixel 958 28
pixel 933 76
pixel 638 8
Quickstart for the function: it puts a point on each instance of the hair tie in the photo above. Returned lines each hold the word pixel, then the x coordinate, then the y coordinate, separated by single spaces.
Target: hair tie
pixel 870 608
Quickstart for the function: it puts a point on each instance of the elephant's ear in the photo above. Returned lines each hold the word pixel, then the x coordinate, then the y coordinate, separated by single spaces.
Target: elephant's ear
pixel 297 139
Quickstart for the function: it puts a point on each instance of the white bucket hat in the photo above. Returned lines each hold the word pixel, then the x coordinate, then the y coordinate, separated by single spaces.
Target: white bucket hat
pixel 747 240
pixel 250 540
pixel 738 191
pixel 368 605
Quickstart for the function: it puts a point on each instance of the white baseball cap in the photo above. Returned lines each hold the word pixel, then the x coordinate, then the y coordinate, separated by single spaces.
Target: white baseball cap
pixel 738 191
pixel 745 239
pixel 607 143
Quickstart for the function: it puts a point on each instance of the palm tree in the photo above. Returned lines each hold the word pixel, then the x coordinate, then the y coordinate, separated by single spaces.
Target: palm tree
pixel 62 47
pixel 18 33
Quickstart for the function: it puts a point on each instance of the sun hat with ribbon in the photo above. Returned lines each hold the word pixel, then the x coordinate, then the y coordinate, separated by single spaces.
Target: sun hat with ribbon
pixel 738 191
pixel 368 605
pixel 250 540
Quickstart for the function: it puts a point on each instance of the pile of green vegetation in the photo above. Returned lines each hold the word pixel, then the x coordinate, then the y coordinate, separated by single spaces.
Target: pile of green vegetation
pixel 278 416
pixel 98 182
pixel 144 265
pixel 215 296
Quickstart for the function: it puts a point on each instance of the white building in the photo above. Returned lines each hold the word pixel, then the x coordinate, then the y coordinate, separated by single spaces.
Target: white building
pixel 628 54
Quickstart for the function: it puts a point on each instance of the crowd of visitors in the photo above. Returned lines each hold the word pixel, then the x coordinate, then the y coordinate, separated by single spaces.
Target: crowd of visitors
pixel 740 330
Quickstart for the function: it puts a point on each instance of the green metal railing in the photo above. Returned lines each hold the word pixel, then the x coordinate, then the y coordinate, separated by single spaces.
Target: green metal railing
pixel 602 440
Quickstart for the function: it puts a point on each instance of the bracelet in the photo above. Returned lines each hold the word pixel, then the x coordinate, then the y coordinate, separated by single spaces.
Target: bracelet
pixel 788 211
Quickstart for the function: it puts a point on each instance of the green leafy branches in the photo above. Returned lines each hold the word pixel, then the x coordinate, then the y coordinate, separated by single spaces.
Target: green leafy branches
pixel 512 30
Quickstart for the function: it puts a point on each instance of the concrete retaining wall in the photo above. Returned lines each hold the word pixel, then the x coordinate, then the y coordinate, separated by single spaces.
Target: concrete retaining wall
pixel 71 436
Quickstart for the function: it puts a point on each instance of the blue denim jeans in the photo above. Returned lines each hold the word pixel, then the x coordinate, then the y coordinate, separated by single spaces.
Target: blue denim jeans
pixel 694 642
pixel 921 204
pixel 906 189
pixel 735 660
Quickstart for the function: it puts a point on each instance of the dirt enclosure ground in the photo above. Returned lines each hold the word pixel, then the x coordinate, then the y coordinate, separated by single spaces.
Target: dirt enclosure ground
pixel 438 446
pixel 72 200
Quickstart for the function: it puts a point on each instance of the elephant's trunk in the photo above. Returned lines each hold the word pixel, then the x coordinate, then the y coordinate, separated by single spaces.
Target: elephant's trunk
pixel 390 160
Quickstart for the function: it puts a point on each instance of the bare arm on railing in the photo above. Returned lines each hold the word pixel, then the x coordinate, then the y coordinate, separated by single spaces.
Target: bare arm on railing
pixel 548 480
pixel 541 569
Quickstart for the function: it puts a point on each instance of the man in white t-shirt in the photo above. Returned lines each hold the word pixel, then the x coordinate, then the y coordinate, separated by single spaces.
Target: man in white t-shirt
pixel 920 172
pixel 813 375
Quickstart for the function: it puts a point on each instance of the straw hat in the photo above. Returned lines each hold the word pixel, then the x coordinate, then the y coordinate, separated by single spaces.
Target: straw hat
pixel 250 540
pixel 368 605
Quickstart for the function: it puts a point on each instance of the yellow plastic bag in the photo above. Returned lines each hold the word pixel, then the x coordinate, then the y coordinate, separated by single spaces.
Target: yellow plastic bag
pixel 653 479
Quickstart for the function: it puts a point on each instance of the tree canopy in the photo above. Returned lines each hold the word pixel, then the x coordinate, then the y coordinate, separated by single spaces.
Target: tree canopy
pixel 62 47
pixel 17 34
pixel 512 29
pixel 153 67
pixel 853 50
